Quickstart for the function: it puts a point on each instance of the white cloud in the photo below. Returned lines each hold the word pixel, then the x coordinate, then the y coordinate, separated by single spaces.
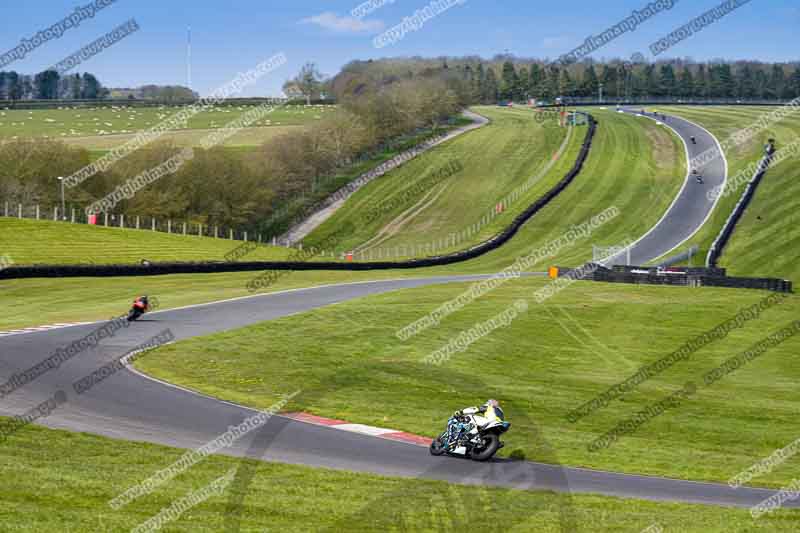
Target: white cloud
pixel 332 21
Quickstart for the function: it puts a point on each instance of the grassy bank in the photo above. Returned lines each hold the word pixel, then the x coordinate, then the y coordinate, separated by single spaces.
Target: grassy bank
pixel 30 242
pixel 634 166
pixel 441 193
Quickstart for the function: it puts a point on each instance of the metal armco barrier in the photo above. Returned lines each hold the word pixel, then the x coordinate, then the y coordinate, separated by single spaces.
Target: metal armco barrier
pixel 679 258
pixel 156 269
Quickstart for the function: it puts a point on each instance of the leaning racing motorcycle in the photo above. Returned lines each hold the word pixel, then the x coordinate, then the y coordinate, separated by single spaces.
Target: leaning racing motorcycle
pixel 464 437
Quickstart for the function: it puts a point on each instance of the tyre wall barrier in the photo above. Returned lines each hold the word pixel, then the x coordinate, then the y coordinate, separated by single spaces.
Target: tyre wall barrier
pixel 156 269
pixel 691 277
pixel 724 236
pixel 690 271
pixel 769 284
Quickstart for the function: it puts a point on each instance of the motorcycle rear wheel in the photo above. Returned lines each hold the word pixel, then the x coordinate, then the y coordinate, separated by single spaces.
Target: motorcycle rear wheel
pixel 492 444
pixel 437 448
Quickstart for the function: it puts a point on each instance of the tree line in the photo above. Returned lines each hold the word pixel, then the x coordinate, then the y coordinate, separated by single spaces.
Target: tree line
pixel 506 78
pixel 50 85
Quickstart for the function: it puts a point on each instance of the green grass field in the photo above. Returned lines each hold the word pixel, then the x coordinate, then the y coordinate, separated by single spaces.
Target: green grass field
pixel 765 241
pixel 417 206
pixel 634 165
pixel 549 361
pixel 103 128
pixel 62 482
pixel 30 242
pixel 616 174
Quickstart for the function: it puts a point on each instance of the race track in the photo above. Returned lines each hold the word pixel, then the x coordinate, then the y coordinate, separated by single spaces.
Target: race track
pixel 130 406
pixel 691 208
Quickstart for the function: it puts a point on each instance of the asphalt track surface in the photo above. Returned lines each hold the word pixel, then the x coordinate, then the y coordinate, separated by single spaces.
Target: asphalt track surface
pixel 134 407
pixel 691 208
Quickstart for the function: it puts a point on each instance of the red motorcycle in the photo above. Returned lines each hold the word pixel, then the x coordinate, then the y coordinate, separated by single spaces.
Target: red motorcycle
pixel 140 307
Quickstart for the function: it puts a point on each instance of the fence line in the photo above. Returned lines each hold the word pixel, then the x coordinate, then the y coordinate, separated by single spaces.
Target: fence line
pixel 122 221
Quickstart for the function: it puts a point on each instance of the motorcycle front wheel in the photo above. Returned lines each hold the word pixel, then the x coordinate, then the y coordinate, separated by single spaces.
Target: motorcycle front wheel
pixel 491 445
pixel 437 448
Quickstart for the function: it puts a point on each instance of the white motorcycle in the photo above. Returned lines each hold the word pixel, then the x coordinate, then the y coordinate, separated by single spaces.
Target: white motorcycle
pixel 466 437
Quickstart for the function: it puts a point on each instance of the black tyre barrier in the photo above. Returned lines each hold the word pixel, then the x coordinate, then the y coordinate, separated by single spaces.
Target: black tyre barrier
pixel 158 269
pixel 688 277
pixel 690 271
pixel 724 236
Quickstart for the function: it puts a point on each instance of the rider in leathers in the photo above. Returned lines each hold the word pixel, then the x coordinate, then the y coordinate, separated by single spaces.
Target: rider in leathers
pixel 482 415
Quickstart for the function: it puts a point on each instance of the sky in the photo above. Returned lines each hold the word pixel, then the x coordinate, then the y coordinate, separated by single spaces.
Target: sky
pixel 234 36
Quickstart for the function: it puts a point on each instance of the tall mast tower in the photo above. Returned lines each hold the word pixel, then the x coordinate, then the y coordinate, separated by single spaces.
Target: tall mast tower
pixel 189 57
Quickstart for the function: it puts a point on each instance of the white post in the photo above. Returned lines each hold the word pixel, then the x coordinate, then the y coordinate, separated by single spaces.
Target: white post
pixel 106 219
pixel 169 225
pixel 73 215
pixel 199 230
pixel 153 223
pixel 122 221
pixel 19 211
pixel 55 213
pixel 6 211
pixel 245 236
pixel 37 212
pixel 138 226
pixel 230 232
pixel 184 228
pixel 274 241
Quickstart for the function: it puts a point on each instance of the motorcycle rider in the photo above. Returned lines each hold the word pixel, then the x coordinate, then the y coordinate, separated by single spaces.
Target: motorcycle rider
pixel 483 415
pixel 142 303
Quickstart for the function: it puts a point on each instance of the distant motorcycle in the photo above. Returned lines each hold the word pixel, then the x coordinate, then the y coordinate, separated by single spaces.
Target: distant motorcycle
pixel 140 307
pixel 464 437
